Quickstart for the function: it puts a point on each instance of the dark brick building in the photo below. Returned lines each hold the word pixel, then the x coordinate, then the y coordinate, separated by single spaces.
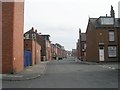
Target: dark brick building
pixel 78 49
pixel 47 48
pixel 12 36
pixel 81 46
pixel 74 52
pixel 53 51
pixel 103 38
pixel 60 51
pixel 43 41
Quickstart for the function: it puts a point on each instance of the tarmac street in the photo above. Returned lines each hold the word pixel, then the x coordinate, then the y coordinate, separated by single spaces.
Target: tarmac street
pixel 69 73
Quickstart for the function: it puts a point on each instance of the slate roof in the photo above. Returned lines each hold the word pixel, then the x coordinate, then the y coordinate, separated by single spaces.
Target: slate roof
pixel 95 22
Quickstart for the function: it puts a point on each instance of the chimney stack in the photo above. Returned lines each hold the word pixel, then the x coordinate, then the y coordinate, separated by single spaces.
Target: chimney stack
pixel 112 12
pixel 36 31
pixel 32 29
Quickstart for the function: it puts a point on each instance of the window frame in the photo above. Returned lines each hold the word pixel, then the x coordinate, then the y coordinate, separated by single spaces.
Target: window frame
pixel 111 37
pixel 27 36
pixel 112 53
pixel 34 36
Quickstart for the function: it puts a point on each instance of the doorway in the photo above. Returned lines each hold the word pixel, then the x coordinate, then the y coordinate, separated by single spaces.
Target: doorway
pixel 101 54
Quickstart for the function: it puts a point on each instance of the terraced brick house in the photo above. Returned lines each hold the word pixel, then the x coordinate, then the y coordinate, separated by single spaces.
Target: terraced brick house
pixel 103 38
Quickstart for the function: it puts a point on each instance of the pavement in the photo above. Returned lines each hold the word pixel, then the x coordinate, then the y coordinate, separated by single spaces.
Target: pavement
pixel 108 65
pixel 28 73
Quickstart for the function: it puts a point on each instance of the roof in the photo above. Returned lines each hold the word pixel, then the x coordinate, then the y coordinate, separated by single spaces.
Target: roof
pixel 58 45
pixel 95 22
pixel 39 37
pixel 46 37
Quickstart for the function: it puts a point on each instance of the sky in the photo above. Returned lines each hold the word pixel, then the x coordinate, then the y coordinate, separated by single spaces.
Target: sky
pixel 61 19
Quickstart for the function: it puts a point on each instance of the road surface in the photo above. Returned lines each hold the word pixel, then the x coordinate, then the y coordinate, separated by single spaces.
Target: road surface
pixel 68 73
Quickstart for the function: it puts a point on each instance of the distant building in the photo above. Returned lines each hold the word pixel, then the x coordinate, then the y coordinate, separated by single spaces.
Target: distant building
pixel 12 36
pixel 103 38
pixel 64 52
pixel 43 41
pixel 69 53
pixel 53 51
pixel 81 46
pixel 74 52
pixel 48 47
pixel 78 49
pixel 60 51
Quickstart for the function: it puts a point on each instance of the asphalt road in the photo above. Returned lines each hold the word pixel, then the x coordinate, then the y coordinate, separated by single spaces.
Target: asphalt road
pixel 68 73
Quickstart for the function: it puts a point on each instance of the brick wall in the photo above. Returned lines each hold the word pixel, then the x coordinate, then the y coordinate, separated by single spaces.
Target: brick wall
pixel 18 27
pixel 91 50
pixel 35 48
pixel 12 36
pixel 41 42
pixel 104 38
pixel 95 36
pixel 38 53
pixel 28 46
pixel 0 37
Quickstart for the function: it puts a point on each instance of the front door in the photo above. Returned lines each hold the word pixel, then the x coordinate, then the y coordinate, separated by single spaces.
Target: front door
pixel 101 54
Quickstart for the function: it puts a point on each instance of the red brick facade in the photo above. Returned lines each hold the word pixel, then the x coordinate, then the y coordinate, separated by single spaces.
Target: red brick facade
pixel 35 48
pixel 102 39
pixel 0 37
pixel 44 42
pixel 12 36
pixel 47 47
pixel 60 51
pixel 99 38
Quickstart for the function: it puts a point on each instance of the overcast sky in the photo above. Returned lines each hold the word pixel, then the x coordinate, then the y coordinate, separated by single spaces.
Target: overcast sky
pixel 61 19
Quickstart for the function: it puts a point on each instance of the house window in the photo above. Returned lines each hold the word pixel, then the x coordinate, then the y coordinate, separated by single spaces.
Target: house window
pixel 112 51
pixel 111 36
pixel 34 36
pixel 27 36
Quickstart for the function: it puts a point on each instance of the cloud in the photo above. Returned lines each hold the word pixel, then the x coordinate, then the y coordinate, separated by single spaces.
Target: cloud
pixel 62 18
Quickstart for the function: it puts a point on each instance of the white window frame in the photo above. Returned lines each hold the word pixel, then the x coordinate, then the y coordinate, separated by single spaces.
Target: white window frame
pixel 112 51
pixel 111 36
pixel 33 36
pixel 27 36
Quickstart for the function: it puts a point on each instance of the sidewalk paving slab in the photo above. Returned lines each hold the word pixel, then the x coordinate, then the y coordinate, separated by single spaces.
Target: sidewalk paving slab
pixel 29 73
pixel 109 65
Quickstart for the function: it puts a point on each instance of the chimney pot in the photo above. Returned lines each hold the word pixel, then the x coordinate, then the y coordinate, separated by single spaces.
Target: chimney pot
pixel 36 30
pixel 33 28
